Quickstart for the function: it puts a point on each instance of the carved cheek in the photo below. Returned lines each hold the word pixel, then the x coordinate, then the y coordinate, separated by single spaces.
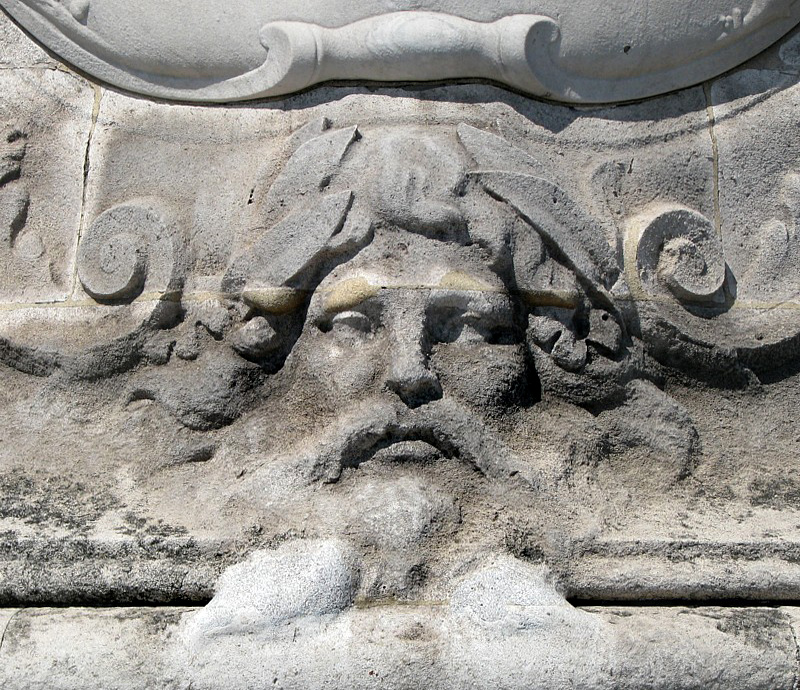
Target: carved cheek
pixel 352 369
pixel 479 374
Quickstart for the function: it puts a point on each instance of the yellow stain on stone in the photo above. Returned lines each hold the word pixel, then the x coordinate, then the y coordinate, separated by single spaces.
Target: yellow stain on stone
pixel 458 280
pixel 348 294
pixel 276 300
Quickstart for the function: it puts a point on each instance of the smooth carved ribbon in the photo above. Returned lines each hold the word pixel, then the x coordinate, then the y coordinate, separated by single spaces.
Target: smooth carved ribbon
pixel 408 46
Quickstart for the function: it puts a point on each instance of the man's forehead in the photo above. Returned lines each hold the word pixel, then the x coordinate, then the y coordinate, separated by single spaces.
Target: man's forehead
pixel 418 264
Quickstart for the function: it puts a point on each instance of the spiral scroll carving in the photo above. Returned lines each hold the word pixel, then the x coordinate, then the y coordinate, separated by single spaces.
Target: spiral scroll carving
pixel 680 251
pixel 131 263
pixel 125 250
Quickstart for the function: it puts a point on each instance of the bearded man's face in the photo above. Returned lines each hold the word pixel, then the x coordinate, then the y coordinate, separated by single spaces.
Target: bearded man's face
pixel 410 321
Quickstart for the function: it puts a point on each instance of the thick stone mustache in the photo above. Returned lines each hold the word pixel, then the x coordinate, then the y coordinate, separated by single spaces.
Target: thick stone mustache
pixel 445 425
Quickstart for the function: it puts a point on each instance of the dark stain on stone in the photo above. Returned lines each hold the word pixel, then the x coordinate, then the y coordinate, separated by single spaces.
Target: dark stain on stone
pixel 774 493
pixel 52 501
pixel 761 628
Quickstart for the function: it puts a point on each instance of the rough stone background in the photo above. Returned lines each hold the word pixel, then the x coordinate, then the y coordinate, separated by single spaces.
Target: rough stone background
pixel 106 499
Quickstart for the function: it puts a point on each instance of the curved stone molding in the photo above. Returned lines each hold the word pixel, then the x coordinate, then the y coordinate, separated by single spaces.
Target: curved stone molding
pixel 681 250
pixel 259 51
pixel 130 263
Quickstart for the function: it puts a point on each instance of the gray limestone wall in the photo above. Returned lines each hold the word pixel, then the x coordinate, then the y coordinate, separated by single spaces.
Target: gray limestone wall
pixel 399 385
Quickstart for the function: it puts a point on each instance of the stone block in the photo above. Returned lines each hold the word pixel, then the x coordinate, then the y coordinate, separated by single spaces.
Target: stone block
pixel 46 118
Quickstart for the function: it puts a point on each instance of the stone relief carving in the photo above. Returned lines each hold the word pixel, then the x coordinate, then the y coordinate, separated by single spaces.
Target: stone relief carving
pixel 550 48
pixel 15 201
pixel 392 286
pixel 449 399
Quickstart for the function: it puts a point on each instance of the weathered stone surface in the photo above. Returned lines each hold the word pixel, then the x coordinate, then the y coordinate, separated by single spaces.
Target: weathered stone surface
pixel 17 50
pixel 419 386
pixel 46 117
pixel 759 193
pixel 85 648
pixel 538 644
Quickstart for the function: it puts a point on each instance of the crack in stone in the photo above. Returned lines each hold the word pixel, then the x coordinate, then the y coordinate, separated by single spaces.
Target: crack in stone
pixel 98 96
pixel 7 626
pixel 30 68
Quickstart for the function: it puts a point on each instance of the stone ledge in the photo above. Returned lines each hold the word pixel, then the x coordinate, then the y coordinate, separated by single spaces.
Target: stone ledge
pixel 405 646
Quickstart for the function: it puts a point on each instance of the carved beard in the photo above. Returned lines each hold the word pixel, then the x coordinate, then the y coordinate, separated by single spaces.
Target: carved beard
pixel 377 430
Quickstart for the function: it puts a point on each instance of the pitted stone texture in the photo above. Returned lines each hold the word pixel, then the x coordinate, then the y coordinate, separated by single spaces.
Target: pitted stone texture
pixel 373 380
pixel 505 624
pixel 84 648
pixel 185 382
pixel 17 50
pixel 271 590
pixel 200 163
pixel 755 113
pixel 406 647
pixel 45 120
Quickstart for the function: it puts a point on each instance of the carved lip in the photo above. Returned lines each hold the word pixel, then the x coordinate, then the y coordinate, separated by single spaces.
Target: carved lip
pixel 415 437
pixel 405 451
pixel 442 430
pixel 417 442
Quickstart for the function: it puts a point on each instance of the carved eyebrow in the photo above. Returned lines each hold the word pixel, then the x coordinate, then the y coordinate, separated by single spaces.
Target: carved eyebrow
pixel 348 294
pixel 458 280
pixel 351 292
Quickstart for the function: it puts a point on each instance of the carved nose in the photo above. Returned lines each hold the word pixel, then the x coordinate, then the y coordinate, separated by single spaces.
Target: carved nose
pixel 410 378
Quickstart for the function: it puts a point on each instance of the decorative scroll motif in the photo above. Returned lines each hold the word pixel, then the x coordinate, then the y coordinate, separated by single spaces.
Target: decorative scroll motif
pixel 131 266
pixel 687 298
pixel 385 263
pixel 561 52
pixel 680 250
pixel 128 250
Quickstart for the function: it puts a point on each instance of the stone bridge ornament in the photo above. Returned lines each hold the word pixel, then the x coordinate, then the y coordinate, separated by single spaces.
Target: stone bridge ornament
pixel 399 385
pixel 577 51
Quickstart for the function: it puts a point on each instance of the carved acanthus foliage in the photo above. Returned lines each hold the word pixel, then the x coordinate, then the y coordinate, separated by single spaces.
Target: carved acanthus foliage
pixel 363 229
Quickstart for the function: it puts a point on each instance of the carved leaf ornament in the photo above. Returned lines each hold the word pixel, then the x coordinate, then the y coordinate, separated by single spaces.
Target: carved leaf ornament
pixel 598 317
pixel 208 50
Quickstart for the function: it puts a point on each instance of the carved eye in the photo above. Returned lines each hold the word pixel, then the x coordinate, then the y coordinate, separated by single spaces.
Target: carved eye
pixel 349 326
pixel 456 326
